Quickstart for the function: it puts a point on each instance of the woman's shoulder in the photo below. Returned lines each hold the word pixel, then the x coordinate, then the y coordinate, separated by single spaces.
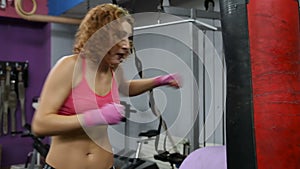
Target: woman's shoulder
pixel 69 60
pixel 65 66
pixel 70 67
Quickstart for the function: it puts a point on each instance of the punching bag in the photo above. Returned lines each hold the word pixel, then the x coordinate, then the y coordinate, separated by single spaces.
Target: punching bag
pixel 275 60
pixel 262 53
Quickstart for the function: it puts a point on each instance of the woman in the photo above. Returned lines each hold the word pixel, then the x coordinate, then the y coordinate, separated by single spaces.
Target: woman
pixel 80 96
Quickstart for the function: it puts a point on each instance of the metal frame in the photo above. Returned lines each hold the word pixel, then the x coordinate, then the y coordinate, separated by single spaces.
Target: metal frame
pixel 207 26
pixel 192 14
pixel 194 134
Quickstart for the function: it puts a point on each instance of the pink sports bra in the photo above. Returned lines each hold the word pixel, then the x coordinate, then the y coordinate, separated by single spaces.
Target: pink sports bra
pixel 83 98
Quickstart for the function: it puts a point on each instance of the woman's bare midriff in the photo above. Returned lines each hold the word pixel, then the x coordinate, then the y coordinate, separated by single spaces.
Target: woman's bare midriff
pixel 81 151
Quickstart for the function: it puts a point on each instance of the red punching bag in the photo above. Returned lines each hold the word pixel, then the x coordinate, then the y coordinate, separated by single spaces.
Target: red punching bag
pixel 275 63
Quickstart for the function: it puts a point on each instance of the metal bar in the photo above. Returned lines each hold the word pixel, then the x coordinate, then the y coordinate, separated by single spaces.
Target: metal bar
pixel 204 91
pixel 33 159
pixel 162 24
pixel 177 22
pixel 206 25
pixel 223 97
pixel 195 67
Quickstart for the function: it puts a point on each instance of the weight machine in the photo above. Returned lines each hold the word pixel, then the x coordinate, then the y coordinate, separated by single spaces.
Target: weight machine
pixel 40 149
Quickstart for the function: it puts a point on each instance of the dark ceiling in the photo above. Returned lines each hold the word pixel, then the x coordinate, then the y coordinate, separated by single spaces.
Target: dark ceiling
pixel 133 6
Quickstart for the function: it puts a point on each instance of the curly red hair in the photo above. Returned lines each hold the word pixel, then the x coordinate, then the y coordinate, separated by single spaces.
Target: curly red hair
pixel 94 20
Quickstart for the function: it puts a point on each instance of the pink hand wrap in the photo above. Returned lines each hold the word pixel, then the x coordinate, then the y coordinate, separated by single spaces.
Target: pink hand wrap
pixel 108 114
pixel 167 79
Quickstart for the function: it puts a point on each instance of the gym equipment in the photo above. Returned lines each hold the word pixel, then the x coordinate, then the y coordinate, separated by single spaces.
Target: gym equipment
pixel 5 100
pixel 150 134
pixel 133 163
pixel 125 151
pixel 122 159
pixel 173 158
pixel 275 82
pixel 21 92
pixel 239 121
pixel 40 149
pixel 162 155
pixel 153 134
pixel 262 116
pixel 13 81
pixel 12 105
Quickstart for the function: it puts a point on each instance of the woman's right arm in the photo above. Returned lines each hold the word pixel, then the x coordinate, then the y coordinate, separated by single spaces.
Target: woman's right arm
pixel 58 85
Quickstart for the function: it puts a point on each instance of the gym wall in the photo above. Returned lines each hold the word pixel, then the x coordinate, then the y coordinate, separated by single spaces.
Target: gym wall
pixel 24 41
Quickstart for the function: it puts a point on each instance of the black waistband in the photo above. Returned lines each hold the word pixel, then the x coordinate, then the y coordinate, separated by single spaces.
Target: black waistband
pixel 47 166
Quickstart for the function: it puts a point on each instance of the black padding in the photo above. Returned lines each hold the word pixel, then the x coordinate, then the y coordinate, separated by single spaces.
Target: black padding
pixel 240 142
pixel 149 133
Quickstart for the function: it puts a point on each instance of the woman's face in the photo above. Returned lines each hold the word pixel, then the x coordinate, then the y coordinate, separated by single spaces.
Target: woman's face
pixel 121 50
